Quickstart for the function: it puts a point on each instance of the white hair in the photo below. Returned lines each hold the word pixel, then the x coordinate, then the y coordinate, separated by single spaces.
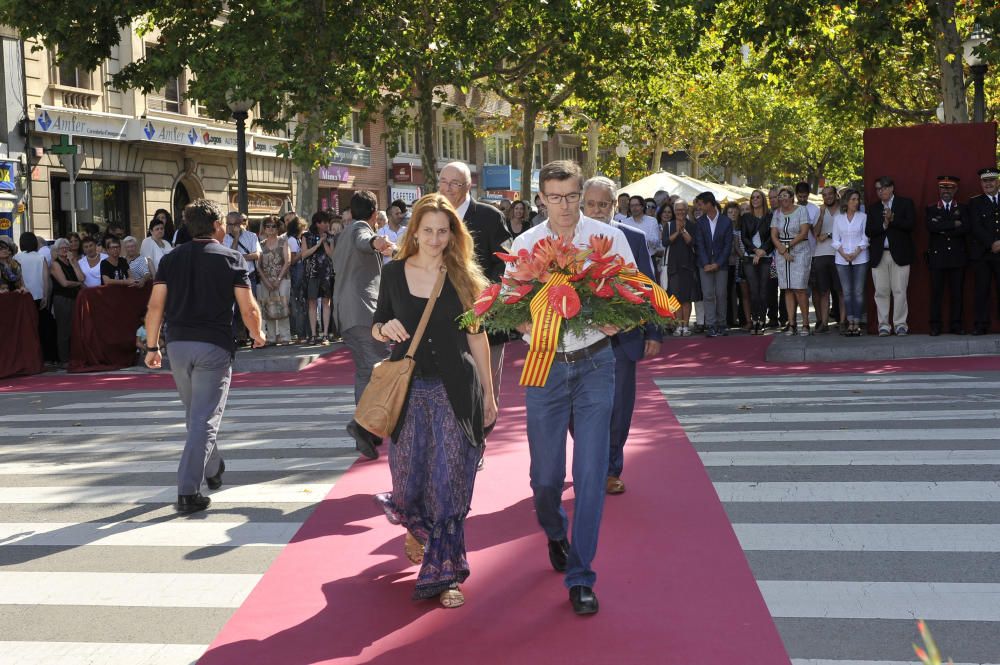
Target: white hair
pixel 601 181
pixel 462 168
pixel 128 239
pixel 59 244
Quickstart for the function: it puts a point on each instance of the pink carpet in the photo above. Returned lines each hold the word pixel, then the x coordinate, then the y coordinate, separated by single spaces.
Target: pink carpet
pixel 673 583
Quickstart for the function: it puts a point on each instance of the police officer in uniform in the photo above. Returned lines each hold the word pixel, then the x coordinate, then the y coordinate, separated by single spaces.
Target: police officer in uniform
pixel 946 256
pixel 984 218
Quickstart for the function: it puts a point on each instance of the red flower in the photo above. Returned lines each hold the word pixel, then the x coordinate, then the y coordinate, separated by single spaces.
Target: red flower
pixel 519 293
pixel 662 310
pixel 628 294
pixel 564 300
pixel 601 289
pixel 486 299
pixel 601 246
pixel 506 258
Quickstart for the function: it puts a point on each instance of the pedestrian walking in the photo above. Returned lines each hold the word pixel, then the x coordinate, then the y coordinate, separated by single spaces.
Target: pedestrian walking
pixel 196 288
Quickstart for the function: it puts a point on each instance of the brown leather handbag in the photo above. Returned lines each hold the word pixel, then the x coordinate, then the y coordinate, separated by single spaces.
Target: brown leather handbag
pixel 382 401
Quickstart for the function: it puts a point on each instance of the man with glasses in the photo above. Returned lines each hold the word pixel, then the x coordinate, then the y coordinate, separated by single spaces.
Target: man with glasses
pixel 489 234
pixel 247 245
pixel 580 386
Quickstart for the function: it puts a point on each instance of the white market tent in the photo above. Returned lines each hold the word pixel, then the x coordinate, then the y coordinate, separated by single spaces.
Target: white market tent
pixel 684 186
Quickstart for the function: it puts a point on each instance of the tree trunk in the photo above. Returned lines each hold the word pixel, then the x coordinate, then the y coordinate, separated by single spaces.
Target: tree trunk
pixel 654 160
pixel 528 154
pixel 695 156
pixel 425 122
pixel 948 45
pixel 593 147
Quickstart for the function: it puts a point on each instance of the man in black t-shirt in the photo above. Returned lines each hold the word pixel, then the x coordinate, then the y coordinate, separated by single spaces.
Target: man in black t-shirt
pixel 195 290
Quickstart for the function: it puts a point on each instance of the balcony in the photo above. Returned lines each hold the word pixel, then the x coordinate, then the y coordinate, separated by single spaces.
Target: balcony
pixel 79 99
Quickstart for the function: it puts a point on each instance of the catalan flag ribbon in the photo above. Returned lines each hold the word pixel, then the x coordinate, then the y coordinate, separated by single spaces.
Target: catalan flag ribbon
pixel 545 326
pixel 664 303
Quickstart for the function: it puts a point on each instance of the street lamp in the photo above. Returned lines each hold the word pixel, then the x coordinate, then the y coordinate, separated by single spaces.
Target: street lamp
pixel 239 106
pixel 978 68
pixel 622 151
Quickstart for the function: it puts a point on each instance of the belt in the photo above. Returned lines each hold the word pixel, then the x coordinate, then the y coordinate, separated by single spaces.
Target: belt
pixel 585 352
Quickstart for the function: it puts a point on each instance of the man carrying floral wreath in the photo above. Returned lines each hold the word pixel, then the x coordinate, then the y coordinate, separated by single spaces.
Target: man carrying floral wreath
pixel 580 386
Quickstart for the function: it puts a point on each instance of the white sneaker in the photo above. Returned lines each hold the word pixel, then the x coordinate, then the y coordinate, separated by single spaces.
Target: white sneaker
pixel 687 332
pixel 678 331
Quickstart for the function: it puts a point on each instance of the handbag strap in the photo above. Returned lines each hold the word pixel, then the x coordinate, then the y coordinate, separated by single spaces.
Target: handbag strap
pixel 426 316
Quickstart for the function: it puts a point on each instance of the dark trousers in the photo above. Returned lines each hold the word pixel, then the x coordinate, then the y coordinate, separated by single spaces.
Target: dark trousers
pixel 621 412
pixel 955 279
pixel 985 272
pixel 758 279
pixel 775 306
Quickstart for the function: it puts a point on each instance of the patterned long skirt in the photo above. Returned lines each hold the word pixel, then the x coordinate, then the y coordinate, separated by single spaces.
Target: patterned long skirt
pixel 433 472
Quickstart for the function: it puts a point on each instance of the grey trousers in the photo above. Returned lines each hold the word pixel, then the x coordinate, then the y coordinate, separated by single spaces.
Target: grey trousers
pixel 365 351
pixel 202 372
pixel 714 289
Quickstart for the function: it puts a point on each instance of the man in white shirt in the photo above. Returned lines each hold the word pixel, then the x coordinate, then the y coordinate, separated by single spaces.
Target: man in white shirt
pixel 823 278
pixel 393 230
pixel 623 207
pixel 638 219
pixel 580 385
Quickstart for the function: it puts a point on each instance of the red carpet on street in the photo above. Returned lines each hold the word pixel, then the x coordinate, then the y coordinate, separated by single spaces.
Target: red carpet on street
pixel 673 583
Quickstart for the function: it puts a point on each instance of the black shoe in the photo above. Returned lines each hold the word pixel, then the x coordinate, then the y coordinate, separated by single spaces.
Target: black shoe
pixel 979 330
pixel 957 331
pixel 364 440
pixel 935 331
pixel 558 554
pixel 584 599
pixel 191 503
pixel 215 482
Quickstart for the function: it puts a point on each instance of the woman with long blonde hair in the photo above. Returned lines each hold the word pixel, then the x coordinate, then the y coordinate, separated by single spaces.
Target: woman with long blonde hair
pixel 437 444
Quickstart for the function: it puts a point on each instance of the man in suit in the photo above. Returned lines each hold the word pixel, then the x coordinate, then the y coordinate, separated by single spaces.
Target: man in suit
pixel 489 234
pixel 890 232
pixel 946 257
pixel 984 221
pixel 714 242
pixel 629 347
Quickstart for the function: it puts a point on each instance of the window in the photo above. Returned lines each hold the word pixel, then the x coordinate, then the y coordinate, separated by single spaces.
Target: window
pixel 569 152
pixel 354 132
pixel 537 160
pixel 73 76
pixel 452 140
pixel 169 97
pixel 409 141
pixel 498 150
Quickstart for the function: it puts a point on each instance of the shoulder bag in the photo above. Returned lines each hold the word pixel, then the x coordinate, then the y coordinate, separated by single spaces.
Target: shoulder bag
pixel 382 401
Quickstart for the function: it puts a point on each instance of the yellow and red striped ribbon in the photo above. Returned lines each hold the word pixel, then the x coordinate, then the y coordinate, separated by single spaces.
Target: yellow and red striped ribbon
pixel 664 300
pixel 545 325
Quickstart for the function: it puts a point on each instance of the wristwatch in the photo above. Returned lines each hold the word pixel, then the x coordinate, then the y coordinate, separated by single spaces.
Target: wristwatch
pixel 152 349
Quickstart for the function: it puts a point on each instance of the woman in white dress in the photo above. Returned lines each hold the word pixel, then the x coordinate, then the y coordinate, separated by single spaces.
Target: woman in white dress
pixel 790 235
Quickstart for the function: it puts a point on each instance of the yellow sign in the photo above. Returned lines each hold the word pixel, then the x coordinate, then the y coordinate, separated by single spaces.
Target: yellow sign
pixel 4 224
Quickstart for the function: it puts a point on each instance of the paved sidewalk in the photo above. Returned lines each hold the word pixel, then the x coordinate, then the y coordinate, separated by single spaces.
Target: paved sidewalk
pixel 833 347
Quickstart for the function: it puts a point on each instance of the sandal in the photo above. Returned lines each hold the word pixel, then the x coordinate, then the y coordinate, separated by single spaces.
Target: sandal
pixel 414 550
pixel 452 597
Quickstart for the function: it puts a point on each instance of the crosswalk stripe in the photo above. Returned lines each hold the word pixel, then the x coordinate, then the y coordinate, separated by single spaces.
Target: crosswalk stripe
pixel 148 534
pixel 808 386
pixel 38 431
pixel 827 402
pixel 231 415
pixel 175 445
pixel 287 464
pixel 289 402
pixel 850 458
pixel 130 589
pixel 244 494
pixel 825 661
pixel 847 434
pixel 869 537
pixel 738 418
pixel 853 492
pixel 265 392
pixel 809 378
pixel 953 601
pixel 105 653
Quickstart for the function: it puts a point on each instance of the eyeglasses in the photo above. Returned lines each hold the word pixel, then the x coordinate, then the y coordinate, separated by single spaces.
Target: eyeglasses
pixel 557 199
pixel 603 205
pixel 452 184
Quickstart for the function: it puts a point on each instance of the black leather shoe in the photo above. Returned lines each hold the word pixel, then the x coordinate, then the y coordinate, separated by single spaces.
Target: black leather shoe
pixel 935 332
pixel 979 331
pixel 364 440
pixel 584 599
pixel 957 331
pixel 215 482
pixel 191 503
pixel 559 554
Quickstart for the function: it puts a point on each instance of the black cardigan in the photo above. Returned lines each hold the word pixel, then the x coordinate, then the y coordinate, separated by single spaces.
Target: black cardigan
pixel 750 225
pixel 444 350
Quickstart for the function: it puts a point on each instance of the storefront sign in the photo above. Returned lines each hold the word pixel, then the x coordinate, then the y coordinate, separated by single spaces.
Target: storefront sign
pixel 266 146
pixel 53 120
pixel 334 173
pixel 223 139
pixel 402 172
pixel 8 171
pixel 259 203
pixel 497 177
pixel 155 130
pixel 408 193
pixel 352 155
pixel 516 175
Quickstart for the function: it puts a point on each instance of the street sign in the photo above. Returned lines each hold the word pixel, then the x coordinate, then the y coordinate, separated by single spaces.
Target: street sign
pixel 72 160
pixel 72 164
pixel 64 147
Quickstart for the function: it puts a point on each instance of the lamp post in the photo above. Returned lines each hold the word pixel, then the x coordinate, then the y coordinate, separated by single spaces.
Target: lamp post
pixel 622 151
pixel 239 108
pixel 978 68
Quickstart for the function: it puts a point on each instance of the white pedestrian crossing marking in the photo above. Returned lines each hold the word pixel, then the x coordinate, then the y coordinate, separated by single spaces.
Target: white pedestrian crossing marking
pixel 851 458
pixel 154 534
pixel 103 653
pixel 173 445
pixel 869 537
pixel 853 492
pixel 282 464
pixel 257 493
pixel 177 414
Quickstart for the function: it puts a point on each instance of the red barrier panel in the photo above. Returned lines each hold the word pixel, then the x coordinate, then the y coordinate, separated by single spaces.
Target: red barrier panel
pixel 20 348
pixel 913 157
pixel 104 323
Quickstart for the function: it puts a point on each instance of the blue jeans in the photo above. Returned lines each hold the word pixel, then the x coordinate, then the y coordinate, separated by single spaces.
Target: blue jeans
pixel 582 391
pixel 852 280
